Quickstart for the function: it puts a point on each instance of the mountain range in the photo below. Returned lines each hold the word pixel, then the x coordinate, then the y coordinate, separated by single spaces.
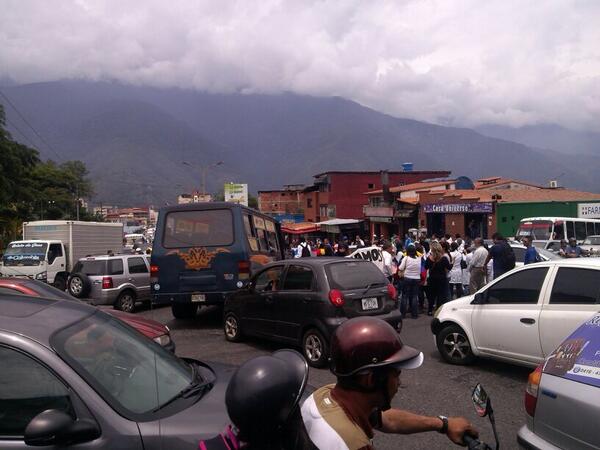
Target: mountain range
pixel 145 145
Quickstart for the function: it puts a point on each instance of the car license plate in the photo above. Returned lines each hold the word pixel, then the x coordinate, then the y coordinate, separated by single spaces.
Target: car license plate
pixel 369 303
pixel 198 298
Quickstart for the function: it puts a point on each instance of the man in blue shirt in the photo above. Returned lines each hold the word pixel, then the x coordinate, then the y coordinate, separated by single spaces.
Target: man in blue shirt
pixel 573 250
pixel 531 255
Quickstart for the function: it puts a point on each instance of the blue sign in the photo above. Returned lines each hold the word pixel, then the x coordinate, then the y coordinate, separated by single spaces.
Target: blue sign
pixel 578 357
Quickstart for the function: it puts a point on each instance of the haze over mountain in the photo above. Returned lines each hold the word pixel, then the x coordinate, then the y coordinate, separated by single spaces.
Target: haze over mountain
pixel 135 140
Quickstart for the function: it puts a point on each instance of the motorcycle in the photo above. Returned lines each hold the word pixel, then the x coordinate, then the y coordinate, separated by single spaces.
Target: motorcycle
pixel 483 407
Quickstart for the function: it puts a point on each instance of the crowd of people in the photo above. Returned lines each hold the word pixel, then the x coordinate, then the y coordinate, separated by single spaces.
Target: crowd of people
pixel 426 270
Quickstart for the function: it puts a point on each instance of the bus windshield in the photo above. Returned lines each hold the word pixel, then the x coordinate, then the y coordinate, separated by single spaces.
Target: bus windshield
pixel 536 229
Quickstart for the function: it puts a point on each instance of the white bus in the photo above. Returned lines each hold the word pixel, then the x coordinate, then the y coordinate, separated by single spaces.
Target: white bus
pixel 546 229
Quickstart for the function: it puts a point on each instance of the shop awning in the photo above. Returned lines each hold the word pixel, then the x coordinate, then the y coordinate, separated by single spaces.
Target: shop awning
pixel 300 228
pixel 336 226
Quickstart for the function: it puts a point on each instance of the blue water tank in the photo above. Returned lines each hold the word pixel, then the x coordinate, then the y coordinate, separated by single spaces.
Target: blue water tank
pixel 407 167
pixel 464 183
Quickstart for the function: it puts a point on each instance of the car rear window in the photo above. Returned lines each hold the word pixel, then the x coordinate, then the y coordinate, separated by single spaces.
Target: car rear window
pixel 99 267
pixel 210 227
pixel 354 275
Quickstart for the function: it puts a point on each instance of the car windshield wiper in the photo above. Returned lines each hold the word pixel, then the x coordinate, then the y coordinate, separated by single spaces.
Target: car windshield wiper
pixel 371 285
pixel 196 386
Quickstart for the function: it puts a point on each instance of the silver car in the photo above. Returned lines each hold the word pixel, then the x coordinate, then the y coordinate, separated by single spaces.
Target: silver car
pixel 118 280
pixel 562 399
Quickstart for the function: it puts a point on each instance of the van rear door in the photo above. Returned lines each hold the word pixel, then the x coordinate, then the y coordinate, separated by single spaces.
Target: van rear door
pixel 199 252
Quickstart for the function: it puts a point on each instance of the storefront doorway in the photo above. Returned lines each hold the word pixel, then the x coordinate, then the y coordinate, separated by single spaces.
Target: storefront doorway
pixel 436 224
pixel 476 225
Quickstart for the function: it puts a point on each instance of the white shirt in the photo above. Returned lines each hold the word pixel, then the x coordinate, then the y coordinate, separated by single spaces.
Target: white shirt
pixel 388 264
pixel 411 267
pixel 479 257
pixel 299 250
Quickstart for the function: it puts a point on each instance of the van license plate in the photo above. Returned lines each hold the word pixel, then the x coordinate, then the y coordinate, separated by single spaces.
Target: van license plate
pixel 369 303
pixel 198 298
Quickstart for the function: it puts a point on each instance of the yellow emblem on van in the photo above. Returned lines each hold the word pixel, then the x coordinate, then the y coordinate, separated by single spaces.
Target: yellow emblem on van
pixel 199 258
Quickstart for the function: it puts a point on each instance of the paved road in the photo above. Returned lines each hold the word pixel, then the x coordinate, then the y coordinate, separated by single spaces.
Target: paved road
pixel 435 388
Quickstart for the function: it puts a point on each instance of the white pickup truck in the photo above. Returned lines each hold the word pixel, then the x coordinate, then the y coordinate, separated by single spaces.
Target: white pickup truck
pixel 50 248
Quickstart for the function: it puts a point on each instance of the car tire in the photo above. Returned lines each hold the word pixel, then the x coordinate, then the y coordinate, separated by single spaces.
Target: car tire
pixel 79 285
pixel 454 345
pixel 232 328
pixel 315 348
pixel 60 283
pixel 125 302
pixel 184 310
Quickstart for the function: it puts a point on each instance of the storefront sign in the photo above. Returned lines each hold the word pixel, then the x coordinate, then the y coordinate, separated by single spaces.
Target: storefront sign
pixel 381 219
pixel 588 210
pixel 459 208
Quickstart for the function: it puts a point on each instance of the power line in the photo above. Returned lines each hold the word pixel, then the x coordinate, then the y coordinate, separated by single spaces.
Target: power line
pixel 29 125
pixel 25 137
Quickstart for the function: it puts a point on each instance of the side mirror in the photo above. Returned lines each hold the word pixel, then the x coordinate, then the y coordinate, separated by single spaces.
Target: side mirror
pixel 480 298
pixel 54 427
pixel 481 401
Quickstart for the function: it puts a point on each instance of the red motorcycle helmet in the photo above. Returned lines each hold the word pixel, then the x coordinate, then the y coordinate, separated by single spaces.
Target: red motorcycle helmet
pixel 363 344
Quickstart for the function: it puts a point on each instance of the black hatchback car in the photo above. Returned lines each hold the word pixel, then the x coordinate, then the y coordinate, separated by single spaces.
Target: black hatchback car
pixel 302 301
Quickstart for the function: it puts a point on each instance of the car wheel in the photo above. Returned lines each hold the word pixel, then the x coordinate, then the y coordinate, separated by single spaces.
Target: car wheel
pixel 60 283
pixel 125 302
pixel 454 346
pixel 232 329
pixel 315 348
pixel 79 285
pixel 184 310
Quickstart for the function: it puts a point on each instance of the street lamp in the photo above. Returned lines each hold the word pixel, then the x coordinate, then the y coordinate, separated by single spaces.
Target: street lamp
pixel 203 168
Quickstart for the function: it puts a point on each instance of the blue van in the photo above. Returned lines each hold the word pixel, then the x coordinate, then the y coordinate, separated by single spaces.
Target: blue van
pixel 203 251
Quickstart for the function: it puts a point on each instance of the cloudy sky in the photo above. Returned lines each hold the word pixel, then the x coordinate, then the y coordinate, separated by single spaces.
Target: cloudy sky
pixel 450 62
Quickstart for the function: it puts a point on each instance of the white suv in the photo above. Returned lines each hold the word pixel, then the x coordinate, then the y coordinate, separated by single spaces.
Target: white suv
pixel 522 316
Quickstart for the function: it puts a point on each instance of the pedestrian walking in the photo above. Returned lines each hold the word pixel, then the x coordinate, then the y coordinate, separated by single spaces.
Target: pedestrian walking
pixel 410 272
pixel 572 250
pixel 438 266
pixel 456 271
pixel 477 266
pixel 502 255
pixel 303 250
pixel 531 254
pixel 389 267
pixel 466 275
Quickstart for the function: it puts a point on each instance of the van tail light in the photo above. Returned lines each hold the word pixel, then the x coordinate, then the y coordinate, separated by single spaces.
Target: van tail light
pixel 243 270
pixel 153 273
pixel 392 292
pixel 336 298
pixel 107 283
pixel 531 391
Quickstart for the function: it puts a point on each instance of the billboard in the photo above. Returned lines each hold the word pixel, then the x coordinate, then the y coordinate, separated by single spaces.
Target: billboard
pixel 588 210
pixel 236 193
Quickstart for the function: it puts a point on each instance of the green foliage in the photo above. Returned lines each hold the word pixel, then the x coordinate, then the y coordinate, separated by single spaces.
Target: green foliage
pixel 33 190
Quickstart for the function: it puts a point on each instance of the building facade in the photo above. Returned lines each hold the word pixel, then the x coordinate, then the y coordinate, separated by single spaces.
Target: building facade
pixel 289 200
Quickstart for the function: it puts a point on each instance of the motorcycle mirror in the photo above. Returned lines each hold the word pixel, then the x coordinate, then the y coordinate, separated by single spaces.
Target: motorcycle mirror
pixel 481 400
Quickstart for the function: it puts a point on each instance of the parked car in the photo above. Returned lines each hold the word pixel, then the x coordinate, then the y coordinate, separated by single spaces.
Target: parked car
pixel 591 246
pixel 151 328
pixel 118 280
pixel 74 376
pixel 302 301
pixel 562 399
pixel 522 315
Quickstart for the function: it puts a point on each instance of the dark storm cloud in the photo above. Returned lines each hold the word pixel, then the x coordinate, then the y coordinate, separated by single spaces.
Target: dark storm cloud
pixel 461 63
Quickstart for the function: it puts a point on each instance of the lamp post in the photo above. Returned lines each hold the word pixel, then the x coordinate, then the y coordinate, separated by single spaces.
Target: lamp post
pixel 203 168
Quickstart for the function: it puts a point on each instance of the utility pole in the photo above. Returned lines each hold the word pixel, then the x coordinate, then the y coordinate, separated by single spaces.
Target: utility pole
pixel 77 193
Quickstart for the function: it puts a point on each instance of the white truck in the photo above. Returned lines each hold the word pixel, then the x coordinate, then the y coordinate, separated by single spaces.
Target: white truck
pixel 50 248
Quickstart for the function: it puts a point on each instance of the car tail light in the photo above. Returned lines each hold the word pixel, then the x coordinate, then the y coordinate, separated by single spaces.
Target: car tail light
pixel 107 283
pixel 243 270
pixel 392 292
pixel 336 298
pixel 531 391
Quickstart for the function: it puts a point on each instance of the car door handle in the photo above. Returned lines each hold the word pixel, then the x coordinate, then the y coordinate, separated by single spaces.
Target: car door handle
pixel 528 320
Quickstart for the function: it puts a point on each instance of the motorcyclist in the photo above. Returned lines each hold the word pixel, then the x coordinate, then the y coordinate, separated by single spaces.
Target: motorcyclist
pixel 367 356
pixel 262 402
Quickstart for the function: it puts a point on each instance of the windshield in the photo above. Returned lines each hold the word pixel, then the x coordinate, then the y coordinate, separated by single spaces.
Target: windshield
pixel 132 373
pixel 209 227
pixel 25 253
pixel 354 275
pixel 592 240
pixel 536 229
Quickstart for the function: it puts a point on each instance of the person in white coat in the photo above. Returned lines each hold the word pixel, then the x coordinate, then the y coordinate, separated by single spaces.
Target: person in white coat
pixel 466 275
pixel 456 282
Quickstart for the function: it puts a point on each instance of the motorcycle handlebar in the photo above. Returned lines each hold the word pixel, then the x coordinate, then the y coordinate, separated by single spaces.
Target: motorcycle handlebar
pixel 474 443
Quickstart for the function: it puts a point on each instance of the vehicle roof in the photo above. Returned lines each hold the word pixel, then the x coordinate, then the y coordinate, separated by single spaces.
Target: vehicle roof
pixel 556 218
pixel 210 205
pixel 38 318
pixel 586 262
pixel 317 261
pixel 116 255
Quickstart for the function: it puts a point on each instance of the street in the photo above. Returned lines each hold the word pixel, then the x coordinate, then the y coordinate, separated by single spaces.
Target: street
pixel 435 388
